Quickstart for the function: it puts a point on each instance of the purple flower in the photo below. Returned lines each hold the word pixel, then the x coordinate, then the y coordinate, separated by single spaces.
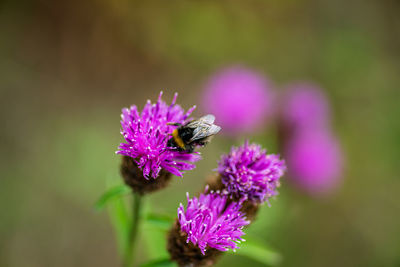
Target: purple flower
pixel 304 106
pixel 240 98
pixel 249 173
pixel 315 161
pixel 146 135
pixel 208 224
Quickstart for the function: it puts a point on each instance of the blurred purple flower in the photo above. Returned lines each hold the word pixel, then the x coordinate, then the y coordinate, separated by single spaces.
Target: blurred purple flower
pixel 305 105
pixel 239 98
pixel 249 173
pixel 207 223
pixel 146 137
pixel 314 160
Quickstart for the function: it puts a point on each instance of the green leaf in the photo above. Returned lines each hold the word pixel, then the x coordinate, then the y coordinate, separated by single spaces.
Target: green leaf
pixel 156 242
pixel 259 252
pixel 161 221
pixel 165 262
pixel 121 222
pixel 155 234
pixel 111 194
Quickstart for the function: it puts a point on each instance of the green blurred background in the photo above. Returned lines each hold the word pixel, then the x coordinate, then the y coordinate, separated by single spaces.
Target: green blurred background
pixel 68 67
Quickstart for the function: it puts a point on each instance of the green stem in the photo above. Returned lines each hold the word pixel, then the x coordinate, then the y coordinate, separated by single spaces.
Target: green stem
pixel 130 252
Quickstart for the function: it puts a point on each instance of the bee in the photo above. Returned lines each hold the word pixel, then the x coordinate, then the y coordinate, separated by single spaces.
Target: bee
pixel 194 133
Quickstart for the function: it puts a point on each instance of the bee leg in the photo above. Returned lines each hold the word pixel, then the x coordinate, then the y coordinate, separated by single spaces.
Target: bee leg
pixel 202 143
pixel 189 148
pixel 171 143
pixel 174 123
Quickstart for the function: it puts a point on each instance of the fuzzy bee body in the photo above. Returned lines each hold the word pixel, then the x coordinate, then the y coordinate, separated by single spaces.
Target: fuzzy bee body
pixel 194 133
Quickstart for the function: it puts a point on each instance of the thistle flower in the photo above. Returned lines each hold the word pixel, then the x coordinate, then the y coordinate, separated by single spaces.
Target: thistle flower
pixel 209 226
pixel 305 106
pixel 313 154
pixel 240 98
pixel 249 173
pixel 148 162
pixel 146 135
pixel 208 222
pixel 315 162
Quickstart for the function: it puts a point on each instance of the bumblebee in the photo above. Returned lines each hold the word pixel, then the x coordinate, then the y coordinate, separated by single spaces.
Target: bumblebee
pixel 194 133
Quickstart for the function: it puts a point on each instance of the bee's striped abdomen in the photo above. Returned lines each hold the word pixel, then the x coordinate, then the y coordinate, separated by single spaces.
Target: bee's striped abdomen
pixel 178 140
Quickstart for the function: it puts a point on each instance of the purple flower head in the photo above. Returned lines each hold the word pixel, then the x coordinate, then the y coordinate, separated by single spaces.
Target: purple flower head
pixel 315 162
pixel 240 98
pixel 304 106
pixel 249 173
pixel 146 135
pixel 208 224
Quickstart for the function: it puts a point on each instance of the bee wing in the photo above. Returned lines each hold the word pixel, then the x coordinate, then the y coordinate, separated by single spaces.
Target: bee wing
pixel 209 119
pixel 214 129
pixel 204 131
pixel 205 120
pixel 194 124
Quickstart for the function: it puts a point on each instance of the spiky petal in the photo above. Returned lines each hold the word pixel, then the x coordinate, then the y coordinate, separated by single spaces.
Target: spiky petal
pixel 208 224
